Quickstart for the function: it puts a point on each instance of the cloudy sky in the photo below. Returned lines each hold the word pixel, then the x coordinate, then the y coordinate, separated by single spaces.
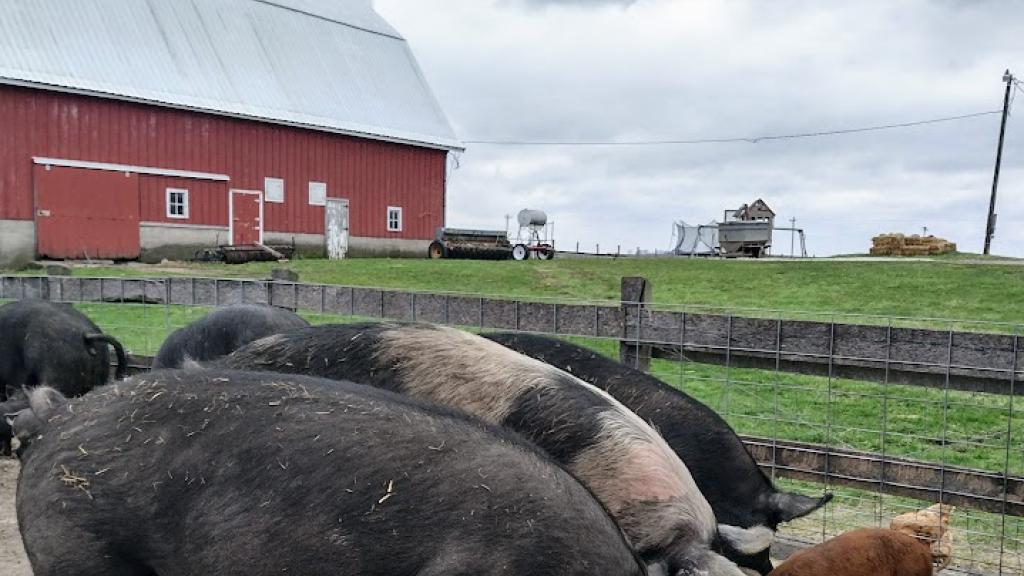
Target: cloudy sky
pixel 641 70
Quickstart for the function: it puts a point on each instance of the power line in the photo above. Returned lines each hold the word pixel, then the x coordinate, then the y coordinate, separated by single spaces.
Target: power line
pixel 750 140
pixel 1016 84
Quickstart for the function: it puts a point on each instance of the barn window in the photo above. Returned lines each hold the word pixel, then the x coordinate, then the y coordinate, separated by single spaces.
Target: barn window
pixel 317 194
pixel 394 219
pixel 273 190
pixel 177 203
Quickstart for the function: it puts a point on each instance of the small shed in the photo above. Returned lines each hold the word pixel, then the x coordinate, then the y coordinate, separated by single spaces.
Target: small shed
pixel 757 211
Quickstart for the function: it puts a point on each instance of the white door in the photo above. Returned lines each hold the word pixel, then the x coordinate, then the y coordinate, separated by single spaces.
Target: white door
pixel 336 228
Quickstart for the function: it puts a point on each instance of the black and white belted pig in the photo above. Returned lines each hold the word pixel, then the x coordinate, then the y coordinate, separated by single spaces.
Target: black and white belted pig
pixel 737 489
pixel 187 472
pixel 623 461
pixel 223 331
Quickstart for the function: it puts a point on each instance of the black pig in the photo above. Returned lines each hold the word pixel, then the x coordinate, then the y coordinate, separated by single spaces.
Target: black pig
pixel 43 343
pixel 8 409
pixel 183 472
pixel 224 330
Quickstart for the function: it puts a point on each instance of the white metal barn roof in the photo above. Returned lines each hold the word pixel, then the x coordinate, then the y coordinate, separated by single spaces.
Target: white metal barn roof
pixel 334 65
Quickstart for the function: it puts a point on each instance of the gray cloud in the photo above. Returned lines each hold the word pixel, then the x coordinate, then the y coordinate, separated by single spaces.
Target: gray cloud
pixel 579 3
pixel 739 68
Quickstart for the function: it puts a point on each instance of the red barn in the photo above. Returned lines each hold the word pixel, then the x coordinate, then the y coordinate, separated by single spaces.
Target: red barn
pixel 154 128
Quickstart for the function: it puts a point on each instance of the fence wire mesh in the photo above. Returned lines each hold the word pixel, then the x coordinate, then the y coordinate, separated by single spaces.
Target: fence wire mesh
pixel 912 425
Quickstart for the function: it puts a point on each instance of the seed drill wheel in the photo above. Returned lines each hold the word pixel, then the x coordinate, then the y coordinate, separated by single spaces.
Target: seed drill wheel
pixel 520 252
pixel 436 250
pixel 545 252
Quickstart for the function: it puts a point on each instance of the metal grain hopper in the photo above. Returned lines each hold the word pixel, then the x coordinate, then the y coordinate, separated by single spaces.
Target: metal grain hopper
pixel 470 244
pixel 747 231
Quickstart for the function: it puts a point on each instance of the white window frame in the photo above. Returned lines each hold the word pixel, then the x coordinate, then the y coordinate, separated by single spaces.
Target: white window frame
pixel 398 211
pixel 317 193
pixel 273 190
pixel 184 203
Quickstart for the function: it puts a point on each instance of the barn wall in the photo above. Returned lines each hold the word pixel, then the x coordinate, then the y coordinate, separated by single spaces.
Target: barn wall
pixel 313 245
pixel 208 200
pixel 387 248
pixel 371 174
pixel 17 242
pixel 177 241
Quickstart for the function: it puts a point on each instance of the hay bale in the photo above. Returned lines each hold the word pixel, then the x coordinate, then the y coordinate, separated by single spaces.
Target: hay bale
pixel 915 250
pixel 913 245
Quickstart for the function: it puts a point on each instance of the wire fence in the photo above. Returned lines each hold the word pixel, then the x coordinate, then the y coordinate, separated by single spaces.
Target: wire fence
pixel 886 441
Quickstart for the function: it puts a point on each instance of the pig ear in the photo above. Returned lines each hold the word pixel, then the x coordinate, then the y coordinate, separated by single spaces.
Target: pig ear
pixel 788 506
pixel 44 400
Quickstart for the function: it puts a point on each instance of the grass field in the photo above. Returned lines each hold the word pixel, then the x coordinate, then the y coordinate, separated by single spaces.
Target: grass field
pixel 953 289
pixel 905 421
pixel 967 429
pixel 899 420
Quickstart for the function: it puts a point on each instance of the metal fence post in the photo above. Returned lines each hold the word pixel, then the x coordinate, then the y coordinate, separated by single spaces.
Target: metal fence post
pixel 885 422
pixel 1009 444
pixel 727 384
pixel 775 395
pixel 635 293
pixel 167 305
pixel 828 416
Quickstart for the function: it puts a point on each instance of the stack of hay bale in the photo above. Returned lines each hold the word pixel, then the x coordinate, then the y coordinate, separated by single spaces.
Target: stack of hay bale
pixel 900 245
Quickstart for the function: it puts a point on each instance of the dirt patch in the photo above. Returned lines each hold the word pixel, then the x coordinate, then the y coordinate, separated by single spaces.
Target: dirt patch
pixel 12 554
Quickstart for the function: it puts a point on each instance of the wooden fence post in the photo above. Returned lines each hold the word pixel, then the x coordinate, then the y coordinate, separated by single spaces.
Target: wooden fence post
pixel 636 293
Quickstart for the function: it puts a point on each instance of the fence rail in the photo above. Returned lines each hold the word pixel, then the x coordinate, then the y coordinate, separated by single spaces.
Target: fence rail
pixel 954 359
pixel 891 352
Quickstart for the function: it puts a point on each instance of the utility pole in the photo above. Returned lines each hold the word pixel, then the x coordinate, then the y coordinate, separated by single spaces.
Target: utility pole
pixel 792 234
pixel 990 223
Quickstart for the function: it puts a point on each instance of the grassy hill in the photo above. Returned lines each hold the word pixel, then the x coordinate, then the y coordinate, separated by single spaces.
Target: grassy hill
pixel 991 291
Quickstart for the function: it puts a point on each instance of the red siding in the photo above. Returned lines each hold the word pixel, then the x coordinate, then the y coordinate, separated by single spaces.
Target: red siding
pixel 207 200
pixel 371 174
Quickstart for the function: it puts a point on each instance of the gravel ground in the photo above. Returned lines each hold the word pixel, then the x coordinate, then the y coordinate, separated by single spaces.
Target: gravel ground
pixel 12 554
